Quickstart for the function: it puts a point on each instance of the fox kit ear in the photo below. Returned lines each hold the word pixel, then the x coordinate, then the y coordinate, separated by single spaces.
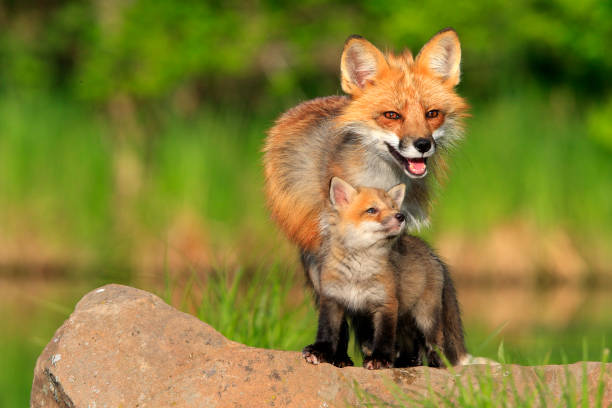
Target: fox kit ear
pixel 361 62
pixel 397 194
pixel 341 193
pixel 441 56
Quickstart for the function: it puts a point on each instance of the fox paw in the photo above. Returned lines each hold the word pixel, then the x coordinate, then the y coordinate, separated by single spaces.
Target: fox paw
pixel 314 355
pixel 344 361
pixel 373 363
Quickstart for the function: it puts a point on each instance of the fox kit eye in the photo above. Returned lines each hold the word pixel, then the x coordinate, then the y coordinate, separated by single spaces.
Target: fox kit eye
pixel 392 115
pixel 432 114
pixel 371 210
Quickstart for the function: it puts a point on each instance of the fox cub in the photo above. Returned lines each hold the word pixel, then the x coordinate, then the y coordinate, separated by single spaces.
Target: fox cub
pixel 397 293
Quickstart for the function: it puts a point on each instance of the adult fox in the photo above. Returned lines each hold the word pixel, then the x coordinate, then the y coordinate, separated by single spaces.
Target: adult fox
pixel 400 111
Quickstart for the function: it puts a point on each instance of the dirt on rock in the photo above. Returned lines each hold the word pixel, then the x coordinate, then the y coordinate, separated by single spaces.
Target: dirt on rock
pixel 123 347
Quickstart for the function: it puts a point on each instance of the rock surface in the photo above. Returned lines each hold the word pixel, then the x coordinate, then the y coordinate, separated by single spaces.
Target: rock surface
pixel 123 347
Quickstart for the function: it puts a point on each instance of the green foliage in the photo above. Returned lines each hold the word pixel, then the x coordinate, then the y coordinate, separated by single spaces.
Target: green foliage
pixel 55 170
pixel 533 150
pixel 61 176
pixel 599 124
pixel 149 49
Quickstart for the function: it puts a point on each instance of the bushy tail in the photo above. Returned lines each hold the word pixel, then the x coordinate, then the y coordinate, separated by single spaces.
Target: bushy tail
pixel 454 343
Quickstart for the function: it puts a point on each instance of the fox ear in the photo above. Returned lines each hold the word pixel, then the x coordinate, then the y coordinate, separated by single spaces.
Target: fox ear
pixel 397 194
pixel 361 62
pixel 441 56
pixel 341 193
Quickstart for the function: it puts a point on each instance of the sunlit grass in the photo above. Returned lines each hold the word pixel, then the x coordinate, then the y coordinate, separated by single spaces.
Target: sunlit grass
pixel 528 156
pixel 525 157
pixel 257 310
pixel 82 183
pixel 497 386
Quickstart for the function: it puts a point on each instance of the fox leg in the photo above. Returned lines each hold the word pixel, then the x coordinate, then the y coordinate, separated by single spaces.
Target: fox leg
pixel 409 343
pixel 428 320
pixel 364 333
pixel 434 346
pixel 341 358
pixel 329 333
pixel 383 348
pixel 442 329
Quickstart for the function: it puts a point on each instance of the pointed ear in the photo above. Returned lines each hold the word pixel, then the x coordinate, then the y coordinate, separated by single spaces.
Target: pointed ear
pixel 361 62
pixel 441 56
pixel 341 193
pixel 397 194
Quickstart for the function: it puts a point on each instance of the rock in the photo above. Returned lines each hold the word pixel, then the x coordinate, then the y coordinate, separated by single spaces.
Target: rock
pixel 123 347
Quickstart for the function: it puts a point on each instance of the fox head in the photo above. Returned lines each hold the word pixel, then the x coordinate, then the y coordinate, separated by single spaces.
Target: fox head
pixel 404 107
pixel 365 216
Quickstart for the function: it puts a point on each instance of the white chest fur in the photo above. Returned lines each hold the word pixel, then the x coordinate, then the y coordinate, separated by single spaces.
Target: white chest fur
pixel 355 283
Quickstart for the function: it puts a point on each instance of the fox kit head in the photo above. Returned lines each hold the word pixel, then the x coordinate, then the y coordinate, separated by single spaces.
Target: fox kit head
pixel 405 107
pixel 365 216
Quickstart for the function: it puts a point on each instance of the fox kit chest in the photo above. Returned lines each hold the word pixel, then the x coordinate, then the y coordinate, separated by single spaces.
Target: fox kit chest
pixel 357 284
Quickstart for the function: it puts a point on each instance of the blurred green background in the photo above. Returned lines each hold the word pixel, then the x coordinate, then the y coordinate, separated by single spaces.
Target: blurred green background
pixel 130 138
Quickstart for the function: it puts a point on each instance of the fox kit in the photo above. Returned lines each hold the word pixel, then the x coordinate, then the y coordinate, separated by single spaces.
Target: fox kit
pixel 399 113
pixel 396 291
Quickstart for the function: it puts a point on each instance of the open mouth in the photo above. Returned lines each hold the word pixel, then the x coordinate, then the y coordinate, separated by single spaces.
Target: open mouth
pixel 414 167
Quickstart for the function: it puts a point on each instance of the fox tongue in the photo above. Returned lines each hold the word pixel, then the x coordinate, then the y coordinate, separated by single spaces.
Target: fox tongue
pixel 416 166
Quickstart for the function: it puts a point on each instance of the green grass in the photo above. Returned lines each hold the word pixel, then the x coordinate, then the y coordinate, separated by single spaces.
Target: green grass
pixel 484 388
pixel 526 156
pixel 83 184
pixel 257 310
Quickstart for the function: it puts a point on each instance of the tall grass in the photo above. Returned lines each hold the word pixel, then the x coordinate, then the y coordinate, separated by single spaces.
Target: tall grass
pixel 528 156
pixel 261 309
pixel 63 168
pixel 525 156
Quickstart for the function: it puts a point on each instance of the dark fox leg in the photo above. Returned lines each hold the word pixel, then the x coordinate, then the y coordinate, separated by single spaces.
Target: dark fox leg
pixel 409 343
pixel 331 318
pixel 385 326
pixel 364 333
pixel 434 345
pixel 341 358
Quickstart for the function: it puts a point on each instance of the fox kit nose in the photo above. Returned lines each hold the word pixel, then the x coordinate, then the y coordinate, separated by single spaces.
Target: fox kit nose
pixel 400 217
pixel 422 145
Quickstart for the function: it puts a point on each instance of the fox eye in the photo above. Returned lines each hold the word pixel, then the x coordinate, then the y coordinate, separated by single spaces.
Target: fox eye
pixel 371 210
pixel 432 114
pixel 392 115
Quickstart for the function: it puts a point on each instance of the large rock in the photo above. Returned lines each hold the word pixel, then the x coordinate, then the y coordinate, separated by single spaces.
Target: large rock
pixel 123 347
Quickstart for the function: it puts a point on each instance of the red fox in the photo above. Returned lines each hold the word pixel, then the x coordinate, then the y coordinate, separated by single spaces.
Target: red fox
pixel 400 112
pixel 397 292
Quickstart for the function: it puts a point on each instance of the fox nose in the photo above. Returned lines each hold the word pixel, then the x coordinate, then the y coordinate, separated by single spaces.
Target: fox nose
pixel 422 145
pixel 400 217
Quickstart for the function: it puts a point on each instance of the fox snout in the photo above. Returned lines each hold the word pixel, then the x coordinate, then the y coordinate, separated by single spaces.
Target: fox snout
pixel 422 145
pixel 394 222
pixel 418 146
